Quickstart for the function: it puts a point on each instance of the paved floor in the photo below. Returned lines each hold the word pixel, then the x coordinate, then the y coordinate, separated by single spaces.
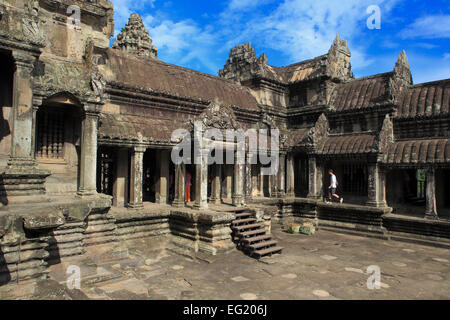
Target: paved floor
pixel 323 266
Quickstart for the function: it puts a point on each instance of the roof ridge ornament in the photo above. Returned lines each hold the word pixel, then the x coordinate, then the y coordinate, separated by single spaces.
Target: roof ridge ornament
pixel 135 39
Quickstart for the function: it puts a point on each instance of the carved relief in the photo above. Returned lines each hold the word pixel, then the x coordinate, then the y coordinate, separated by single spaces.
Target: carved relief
pixel 386 137
pixel 30 22
pixel 216 116
pixel 319 132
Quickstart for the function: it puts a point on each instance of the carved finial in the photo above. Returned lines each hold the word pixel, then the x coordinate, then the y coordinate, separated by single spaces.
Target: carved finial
pixel 243 64
pixel 135 39
pixel 402 69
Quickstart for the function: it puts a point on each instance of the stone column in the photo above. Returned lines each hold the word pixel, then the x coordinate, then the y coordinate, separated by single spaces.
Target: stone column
pixel 248 177
pixel 313 181
pixel 162 185
pixel 22 177
pixel 136 178
pixel 376 186
pixel 273 186
pixel 239 176
pixel 88 162
pixel 281 176
pixel 180 174
pixel 431 208
pixel 201 182
pixel 227 186
pixel 290 179
pixel 216 185
pixel 120 188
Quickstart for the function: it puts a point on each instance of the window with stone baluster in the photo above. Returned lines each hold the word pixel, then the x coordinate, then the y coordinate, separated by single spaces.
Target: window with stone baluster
pixel 50 134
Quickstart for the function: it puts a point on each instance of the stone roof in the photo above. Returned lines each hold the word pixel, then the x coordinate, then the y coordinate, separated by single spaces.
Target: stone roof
pixel 361 93
pixel 127 127
pixel 296 137
pixel 348 144
pixel 304 70
pixel 419 152
pixel 155 75
pixel 423 100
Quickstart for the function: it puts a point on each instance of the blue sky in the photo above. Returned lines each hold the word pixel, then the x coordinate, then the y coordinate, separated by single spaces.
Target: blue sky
pixel 199 34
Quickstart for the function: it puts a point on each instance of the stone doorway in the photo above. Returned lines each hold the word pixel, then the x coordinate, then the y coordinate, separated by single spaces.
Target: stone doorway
pixel 58 145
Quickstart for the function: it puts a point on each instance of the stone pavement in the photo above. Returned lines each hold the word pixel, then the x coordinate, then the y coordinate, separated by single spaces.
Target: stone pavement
pixel 323 266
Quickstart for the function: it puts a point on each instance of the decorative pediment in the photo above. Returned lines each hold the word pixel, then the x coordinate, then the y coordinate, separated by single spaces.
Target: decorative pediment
pixel 319 132
pixel 386 136
pixel 217 116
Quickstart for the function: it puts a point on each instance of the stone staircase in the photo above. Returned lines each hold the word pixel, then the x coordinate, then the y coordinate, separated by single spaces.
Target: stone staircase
pixel 251 237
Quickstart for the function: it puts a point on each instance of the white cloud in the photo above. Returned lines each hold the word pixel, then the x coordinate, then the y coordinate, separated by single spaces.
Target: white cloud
pixel 305 29
pixel 446 56
pixel 428 27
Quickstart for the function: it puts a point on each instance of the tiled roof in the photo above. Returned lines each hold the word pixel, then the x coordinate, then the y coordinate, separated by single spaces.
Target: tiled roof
pixel 361 93
pixel 127 127
pixel 301 71
pixel 151 74
pixel 428 99
pixel 419 152
pixel 348 144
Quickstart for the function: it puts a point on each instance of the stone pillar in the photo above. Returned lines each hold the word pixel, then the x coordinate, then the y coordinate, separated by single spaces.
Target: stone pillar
pixel 227 186
pixel 281 176
pixel 248 177
pixel 216 196
pixel 239 176
pixel 273 186
pixel 120 188
pixel 180 174
pixel 136 178
pixel 376 186
pixel 431 208
pixel 201 182
pixel 314 191
pixel 290 179
pixel 23 181
pixel 162 185
pixel 88 162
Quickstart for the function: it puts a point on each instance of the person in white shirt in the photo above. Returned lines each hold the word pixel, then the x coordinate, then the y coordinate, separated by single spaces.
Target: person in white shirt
pixel 333 187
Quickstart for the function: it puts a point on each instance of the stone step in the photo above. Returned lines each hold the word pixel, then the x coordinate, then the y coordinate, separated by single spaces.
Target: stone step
pixel 243 221
pixel 256 239
pixel 248 227
pixel 264 252
pixel 247 234
pixel 261 245
pixel 243 215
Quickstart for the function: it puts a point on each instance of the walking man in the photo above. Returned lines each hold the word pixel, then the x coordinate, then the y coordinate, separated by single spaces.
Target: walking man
pixel 333 187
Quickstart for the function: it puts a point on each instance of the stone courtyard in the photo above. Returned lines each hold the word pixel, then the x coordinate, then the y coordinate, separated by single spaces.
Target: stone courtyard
pixel 324 266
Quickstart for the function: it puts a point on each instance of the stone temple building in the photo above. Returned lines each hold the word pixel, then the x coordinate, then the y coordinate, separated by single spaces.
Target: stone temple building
pixel 86 140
